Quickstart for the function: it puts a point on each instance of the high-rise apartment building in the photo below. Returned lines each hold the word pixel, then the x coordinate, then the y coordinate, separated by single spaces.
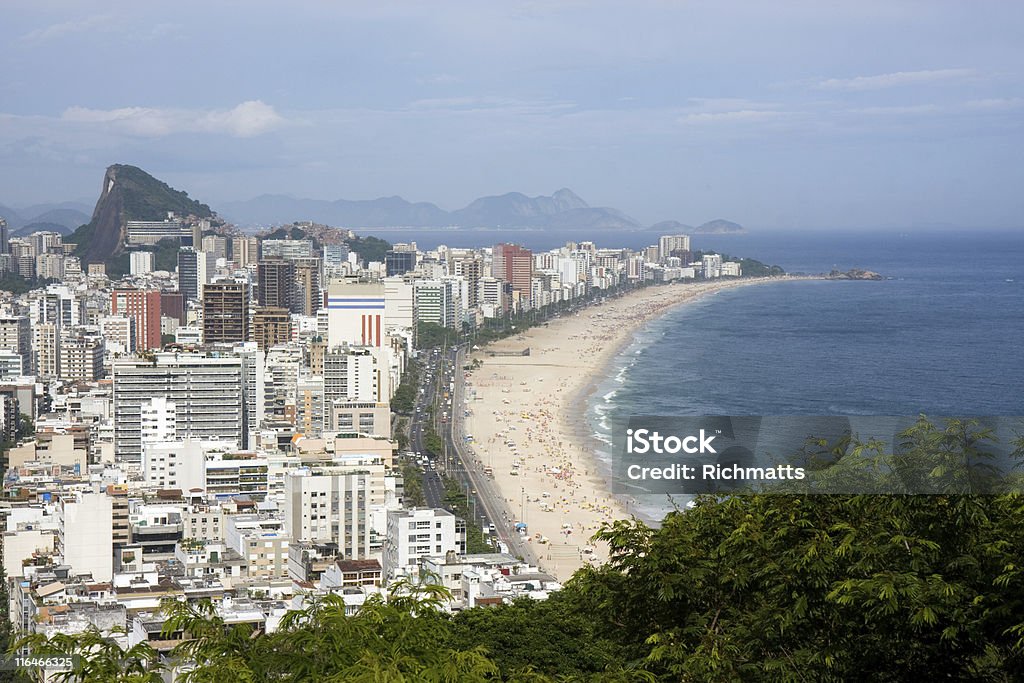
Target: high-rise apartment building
pixel 195 269
pixel 271 326
pixel 399 262
pixel 245 251
pixel 513 264
pixel 144 307
pixel 307 282
pixel 287 249
pixel 333 504
pixel 355 314
pixel 225 312
pixel 670 243
pixel 276 283
pixel 207 392
pixel 16 336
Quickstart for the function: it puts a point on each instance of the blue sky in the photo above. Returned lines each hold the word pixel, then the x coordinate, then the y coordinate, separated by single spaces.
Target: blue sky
pixel 809 115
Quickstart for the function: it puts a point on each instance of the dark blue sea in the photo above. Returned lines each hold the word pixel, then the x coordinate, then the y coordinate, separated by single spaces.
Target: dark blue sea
pixel 943 335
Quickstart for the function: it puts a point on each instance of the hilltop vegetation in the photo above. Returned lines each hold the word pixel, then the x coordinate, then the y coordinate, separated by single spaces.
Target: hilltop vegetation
pixel 129 193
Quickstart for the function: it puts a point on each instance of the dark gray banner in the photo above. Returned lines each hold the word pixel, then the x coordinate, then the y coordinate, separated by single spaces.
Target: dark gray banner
pixel 818 454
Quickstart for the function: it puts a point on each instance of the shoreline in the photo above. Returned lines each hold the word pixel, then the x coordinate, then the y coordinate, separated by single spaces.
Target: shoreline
pixel 528 415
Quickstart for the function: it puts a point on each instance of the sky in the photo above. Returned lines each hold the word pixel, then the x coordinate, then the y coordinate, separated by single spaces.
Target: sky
pixel 809 115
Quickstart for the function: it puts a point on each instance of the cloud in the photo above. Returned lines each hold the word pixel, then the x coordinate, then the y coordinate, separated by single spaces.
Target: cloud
pixel 896 79
pixel 65 28
pixel 248 119
pixel 996 104
pixel 438 79
pixel 737 116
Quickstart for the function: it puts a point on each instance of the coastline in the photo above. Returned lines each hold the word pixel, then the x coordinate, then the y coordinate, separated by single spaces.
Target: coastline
pixel 528 418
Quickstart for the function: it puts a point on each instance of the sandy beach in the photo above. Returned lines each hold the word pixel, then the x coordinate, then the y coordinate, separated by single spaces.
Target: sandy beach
pixel 527 417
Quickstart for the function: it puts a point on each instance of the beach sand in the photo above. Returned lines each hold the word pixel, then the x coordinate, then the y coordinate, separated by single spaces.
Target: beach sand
pixel 528 419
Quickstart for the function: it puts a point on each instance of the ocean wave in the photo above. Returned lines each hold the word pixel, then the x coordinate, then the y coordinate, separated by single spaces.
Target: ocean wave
pixel 610 395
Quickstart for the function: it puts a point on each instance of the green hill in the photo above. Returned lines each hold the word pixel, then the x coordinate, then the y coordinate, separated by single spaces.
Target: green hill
pixel 129 194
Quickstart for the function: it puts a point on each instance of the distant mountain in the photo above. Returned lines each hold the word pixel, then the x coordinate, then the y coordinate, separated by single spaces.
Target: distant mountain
pixel 719 226
pixel 68 214
pixel 41 226
pixel 667 227
pixel 716 227
pixel 68 218
pixel 13 218
pixel 387 211
pixel 563 209
pixel 129 193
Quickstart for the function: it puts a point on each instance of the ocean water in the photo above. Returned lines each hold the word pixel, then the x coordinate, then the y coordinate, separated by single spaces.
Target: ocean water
pixel 943 336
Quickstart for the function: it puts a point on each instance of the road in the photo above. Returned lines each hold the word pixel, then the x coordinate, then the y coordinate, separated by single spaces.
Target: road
pixel 459 460
pixel 465 465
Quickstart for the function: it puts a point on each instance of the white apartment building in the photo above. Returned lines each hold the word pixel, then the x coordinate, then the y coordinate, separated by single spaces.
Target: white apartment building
pixel 207 392
pixel 418 533
pixel 262 543
pixel 334 504
pixel 85 536
pixel 356 374
pixel 140 262
pixel 119 334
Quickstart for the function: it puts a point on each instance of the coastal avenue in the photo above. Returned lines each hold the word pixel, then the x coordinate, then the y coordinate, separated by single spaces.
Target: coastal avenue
pixel 469 469
pixel 487 503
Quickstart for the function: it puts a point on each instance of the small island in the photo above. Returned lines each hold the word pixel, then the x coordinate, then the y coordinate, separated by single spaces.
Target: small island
pixel 854 274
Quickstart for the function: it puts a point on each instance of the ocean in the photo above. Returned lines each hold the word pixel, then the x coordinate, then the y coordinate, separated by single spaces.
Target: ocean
pixel 944 335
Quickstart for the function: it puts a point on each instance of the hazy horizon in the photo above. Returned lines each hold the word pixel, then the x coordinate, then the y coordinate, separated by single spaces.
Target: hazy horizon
pixel 777 116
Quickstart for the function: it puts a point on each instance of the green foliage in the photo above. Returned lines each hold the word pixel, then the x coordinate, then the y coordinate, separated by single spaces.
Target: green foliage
pixel 825 588
pixel 413 482
pixel 16 284
pixel 26 427
pixel 551 636
pixel 433 336
pixel 369 248
pixel 748 266
pixel 405 396
pixel 148 199
pixel 99 658
pixel 165 254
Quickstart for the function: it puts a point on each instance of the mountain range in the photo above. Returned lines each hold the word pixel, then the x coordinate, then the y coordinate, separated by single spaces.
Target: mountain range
pixel 563 209
pixel 63 218
pixel 129 193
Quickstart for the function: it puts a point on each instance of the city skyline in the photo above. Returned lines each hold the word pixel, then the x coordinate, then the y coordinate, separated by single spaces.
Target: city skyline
pixel 788 116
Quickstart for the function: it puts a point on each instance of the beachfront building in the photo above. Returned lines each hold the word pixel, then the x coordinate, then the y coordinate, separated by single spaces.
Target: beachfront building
pixel 670 245
pixel 513 264
pixel 440 302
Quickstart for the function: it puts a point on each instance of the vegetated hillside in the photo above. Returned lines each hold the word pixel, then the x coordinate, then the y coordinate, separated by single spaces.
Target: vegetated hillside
pixel 129 193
